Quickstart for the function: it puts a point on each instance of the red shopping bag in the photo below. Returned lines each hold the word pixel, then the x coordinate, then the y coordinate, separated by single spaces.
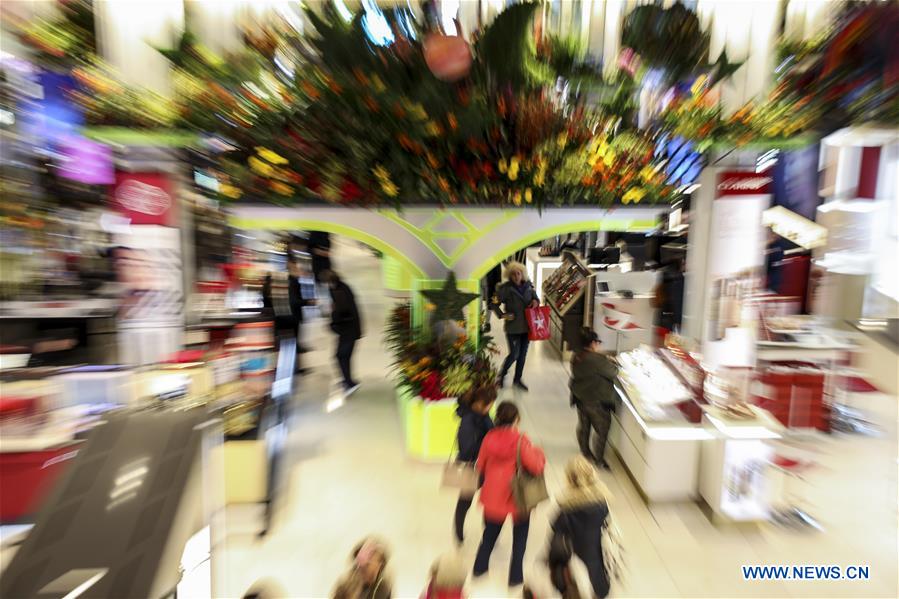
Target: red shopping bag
pixel 538 323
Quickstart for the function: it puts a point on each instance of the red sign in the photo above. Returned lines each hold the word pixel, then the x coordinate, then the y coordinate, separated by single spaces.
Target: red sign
pixel 145 198
pixel 743 183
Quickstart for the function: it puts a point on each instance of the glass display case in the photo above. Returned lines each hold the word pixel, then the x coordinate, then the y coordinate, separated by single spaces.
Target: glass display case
pixel 569 292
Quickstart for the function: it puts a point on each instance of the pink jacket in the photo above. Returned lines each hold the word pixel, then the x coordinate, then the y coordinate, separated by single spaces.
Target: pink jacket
pixel 496 462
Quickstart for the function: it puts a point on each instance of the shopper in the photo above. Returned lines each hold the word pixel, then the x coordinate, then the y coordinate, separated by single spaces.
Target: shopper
pixel 593 394
pixel 669 295
pixel 474 424
pixel 447 579
pixel 320 248
pixel 367 577
pixel 583 510
pixel 297 301
pixel 346 323
pixel 558 562
pixel 516 295
pixel 497 462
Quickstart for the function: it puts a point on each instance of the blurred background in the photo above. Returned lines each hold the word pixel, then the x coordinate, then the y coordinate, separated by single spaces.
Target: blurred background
pixel 710 185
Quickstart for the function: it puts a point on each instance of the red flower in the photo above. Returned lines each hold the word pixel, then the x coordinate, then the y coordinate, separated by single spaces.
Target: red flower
pixel 432 387
pixel 350 191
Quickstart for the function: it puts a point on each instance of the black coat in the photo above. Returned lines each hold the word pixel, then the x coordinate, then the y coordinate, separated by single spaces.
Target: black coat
pixel 345 319
pixel 593 380
pixel 583 526
pixel 296 299
pixel 515 302
pixel 473 427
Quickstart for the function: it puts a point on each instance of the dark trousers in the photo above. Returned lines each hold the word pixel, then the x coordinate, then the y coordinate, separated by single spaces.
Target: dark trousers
pixel 593 418
pixel 462 507
pixel 345 346
pixel 519 544
pixel 518 352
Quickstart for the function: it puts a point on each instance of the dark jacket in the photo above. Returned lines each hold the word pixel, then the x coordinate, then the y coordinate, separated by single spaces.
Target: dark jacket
pixel 320 248
pixel 515 302
pixel 592 379
pixel 473 427
pixel 583 526
pixel 345 319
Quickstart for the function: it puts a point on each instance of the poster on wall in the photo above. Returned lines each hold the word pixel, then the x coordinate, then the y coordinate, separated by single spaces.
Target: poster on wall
pixel 736 261
pixel 151 315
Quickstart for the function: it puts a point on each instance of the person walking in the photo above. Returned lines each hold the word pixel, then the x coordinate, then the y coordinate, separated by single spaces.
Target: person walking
pixel 516 294
pixel 367 577
pixel 474 424
pixel 497 462
pixel 347 324
pixel 583 510
pixel 447 578
pixel 593 394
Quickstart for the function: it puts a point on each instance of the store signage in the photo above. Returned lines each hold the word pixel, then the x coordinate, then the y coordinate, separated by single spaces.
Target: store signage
pixel 145 198
pixel 743 183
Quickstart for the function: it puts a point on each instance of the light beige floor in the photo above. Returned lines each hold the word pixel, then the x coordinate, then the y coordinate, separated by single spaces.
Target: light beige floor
pixel 350 477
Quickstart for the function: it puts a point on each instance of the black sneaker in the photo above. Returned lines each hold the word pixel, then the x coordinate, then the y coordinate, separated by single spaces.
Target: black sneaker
pixel 521 386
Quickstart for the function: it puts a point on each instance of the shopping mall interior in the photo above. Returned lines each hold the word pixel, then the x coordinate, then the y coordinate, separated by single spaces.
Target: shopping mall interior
pixel 449 299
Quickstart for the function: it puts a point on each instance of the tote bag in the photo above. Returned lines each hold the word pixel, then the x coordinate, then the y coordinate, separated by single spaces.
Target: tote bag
pixel 538 323
pixel 460 475
pixel 528 490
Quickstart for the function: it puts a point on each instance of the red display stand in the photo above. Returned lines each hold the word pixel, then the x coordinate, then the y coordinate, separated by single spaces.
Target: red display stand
pixel 26 478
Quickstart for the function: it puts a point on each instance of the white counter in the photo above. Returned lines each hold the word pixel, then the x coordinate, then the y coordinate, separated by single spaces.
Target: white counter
pixel 735 464
pixel 623 323
pixel 661 456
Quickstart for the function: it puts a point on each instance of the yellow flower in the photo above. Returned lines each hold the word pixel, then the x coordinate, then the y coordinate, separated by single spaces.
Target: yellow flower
pixel 516 199
pixel 647 173
pixel 377 84
pixel 513 169
pixel 270 156
pixel 230 191
pixel 281 188
pixel 433 129
pixel 390 188
pixel 528 195
pixel 634 194
pixel 430 307
pixel 417 111
pixel 501 165
pixel 381 173
pixel 562 140
pixel 260 168
pixel 540 177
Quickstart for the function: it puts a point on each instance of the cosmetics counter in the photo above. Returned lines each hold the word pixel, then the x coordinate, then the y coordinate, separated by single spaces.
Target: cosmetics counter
pixel 678 445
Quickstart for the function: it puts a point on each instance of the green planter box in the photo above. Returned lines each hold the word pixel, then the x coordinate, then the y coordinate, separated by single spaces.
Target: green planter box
pixel 429 427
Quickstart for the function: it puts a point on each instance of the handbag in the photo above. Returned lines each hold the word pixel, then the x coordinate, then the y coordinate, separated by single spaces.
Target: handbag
pixel 460 475
pixel 613 557
pixel 538 323
pixel 528 490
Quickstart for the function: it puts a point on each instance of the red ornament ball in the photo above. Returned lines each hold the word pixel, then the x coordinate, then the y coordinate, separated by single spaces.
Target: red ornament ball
pixel 448 56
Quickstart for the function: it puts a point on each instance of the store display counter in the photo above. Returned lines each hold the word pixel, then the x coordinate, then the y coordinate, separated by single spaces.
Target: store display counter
pixel 662 456
pixel 735 459
pixel 540 267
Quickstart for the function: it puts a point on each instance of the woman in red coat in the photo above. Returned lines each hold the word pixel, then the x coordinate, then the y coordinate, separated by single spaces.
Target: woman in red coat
pixel 497 463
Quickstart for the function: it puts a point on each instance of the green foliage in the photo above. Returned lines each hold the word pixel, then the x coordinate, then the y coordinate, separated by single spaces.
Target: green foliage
pixel 667 38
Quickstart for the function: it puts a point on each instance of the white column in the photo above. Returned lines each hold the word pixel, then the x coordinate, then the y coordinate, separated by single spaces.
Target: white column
pixel 128 30
pixel 615 10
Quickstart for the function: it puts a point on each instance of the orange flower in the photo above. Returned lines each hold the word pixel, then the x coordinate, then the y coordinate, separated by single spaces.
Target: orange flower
pixel 372 105
pixel 335 87
pixel 360 76
pixel 310 90
pixel 453 123
pixel 443 183
pixel 398 111
pixel 432 160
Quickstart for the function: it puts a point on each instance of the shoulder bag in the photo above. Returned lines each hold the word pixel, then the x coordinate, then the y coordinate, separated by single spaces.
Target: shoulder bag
pixel 460 475
pixel 528 490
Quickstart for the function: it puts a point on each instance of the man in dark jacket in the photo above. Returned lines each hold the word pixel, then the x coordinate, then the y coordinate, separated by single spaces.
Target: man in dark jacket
pixel 346 323
pixel 516 295
pixel 593 394
pixel 474 424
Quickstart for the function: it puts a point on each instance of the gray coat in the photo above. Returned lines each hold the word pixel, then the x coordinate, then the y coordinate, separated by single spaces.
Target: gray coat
pixel 515 302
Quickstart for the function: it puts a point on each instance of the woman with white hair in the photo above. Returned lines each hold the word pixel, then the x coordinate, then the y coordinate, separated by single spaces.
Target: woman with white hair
pixel 515 295
pixel 583 510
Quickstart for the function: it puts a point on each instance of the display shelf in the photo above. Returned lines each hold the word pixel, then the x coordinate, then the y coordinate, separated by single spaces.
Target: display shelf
pixel 655 390
pixel 565 286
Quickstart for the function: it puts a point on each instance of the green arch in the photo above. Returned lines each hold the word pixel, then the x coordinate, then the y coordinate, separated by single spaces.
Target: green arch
pixel 302 224
pixel 605 224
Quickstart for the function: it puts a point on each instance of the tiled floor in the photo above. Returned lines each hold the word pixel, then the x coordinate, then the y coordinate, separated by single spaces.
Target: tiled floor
pixel 349 477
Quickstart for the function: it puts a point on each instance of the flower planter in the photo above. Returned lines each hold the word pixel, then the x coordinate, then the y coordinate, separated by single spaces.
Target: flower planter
pixel 429 427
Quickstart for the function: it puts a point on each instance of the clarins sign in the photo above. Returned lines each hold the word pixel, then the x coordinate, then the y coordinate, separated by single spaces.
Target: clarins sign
pixel 743 183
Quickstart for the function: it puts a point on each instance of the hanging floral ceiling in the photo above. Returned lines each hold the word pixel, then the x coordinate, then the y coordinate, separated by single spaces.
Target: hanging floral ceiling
pixel 511 117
